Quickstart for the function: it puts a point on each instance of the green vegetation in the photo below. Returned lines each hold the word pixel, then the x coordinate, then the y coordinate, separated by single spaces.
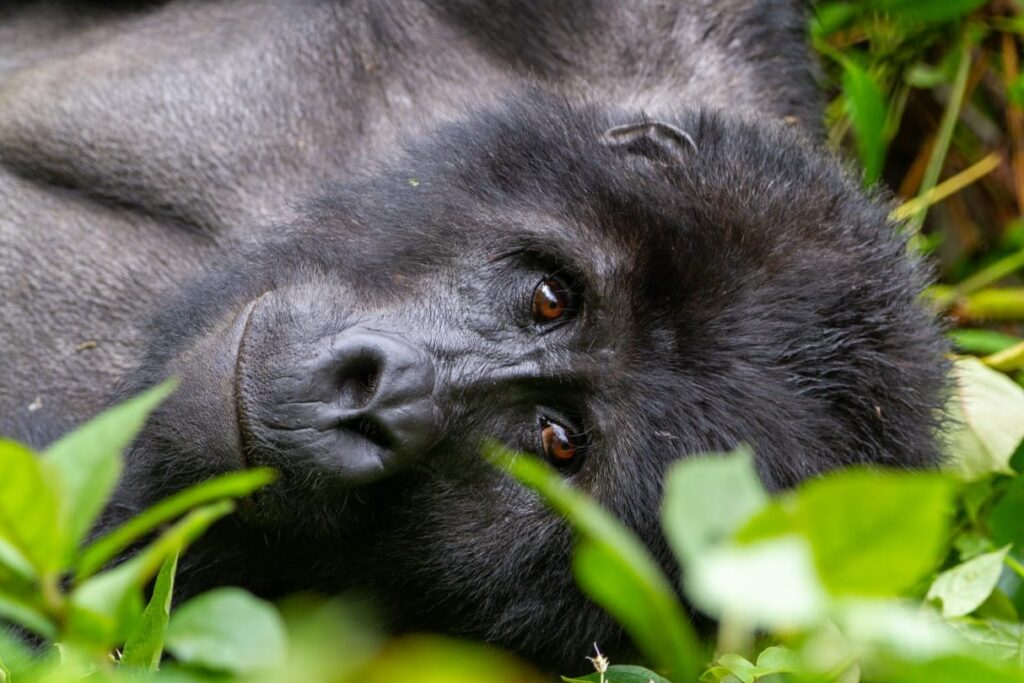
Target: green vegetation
pixel 856 576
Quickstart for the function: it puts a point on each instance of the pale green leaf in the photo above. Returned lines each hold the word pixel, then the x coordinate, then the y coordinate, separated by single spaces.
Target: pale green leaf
pixel 989 409
pixel 769 584
pixel 707 498
pixel 227 630
pixel 87 461
pixel 145 646
pixel 963 588
pixel 29 521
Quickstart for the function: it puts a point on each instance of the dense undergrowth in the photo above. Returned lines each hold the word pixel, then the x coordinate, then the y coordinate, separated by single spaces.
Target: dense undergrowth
pixel 857 576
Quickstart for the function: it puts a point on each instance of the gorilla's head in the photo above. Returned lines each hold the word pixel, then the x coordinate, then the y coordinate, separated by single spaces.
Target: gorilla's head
pixel 604 290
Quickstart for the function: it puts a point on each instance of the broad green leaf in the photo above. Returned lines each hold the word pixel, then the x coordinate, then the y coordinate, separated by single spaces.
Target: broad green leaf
pixel 232 485
pixel 983 342
pixel 874 533
pixel 953 668
pixel 229 630
pixel 771 662
pixel 830 17
pixel 928 10
pixel 1006 518
pixel 648 611
pixel 770 584
pixel 892 627
pixel 435 659
pixel 621 674
pixel 615 568
pixel 707 499
pixel 29 522
pixel 105 607
pixel 87 461
pixel 17 661
pixel 866 107
pixel 17 610
pixel 963 588
pixel 145 646
pixel 14 563
pixel 989 407
pixel 997 640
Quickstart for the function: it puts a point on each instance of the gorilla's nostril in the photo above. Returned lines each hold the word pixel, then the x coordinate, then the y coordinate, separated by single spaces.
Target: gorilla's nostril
pixel 369 430
pixel 358 381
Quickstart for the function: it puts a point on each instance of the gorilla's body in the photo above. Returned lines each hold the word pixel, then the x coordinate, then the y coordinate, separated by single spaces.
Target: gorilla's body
pixel 714 279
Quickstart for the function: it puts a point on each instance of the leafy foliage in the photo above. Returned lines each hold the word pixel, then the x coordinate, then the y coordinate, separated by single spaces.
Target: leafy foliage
pixel 857 576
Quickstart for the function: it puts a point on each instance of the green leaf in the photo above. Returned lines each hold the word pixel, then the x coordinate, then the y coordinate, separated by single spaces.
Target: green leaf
pixel 87 461
pixel 104 608
pixel 770 584
pixel 614 568
pixel 990 409
pixel 707 498
pixel 996 640
pixel 231 485
pixel 29 522
pixel 227 630
pixel 963 588
pixel 145 646
pixel 928 10
pixel 873 532
pixel 888 627
pixel 1006 519
pixel 983 342
pixel 19 611
pixel 866 107
pixel 621 674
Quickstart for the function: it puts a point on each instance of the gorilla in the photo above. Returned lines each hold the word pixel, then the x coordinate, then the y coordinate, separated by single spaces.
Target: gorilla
pixel 370 237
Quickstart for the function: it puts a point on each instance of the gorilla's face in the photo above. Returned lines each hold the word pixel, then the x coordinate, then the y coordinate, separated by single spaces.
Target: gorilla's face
pixel 608 295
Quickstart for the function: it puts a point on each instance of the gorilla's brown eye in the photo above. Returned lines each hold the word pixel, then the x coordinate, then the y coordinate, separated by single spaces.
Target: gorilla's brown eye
pixel 551 299
pixel 558 444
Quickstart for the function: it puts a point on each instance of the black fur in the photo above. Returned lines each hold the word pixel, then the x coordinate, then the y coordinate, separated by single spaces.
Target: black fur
pixel 741 291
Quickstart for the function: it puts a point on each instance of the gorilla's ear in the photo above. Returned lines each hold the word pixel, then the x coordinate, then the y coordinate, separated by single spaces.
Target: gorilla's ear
pixel 653 139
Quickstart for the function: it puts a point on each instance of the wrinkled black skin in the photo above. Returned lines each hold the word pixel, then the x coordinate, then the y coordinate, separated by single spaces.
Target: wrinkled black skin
pixel 744 290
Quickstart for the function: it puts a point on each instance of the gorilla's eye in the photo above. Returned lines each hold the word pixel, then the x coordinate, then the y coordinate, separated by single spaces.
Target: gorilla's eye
pixel 560 447
pixel 552 298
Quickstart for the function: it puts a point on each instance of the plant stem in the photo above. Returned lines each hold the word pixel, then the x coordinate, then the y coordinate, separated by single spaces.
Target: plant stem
pixel 945 134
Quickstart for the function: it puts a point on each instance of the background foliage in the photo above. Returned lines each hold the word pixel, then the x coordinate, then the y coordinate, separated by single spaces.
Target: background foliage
pixel 858 576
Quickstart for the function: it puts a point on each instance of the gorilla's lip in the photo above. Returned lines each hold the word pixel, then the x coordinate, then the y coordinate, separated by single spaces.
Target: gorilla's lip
pixel 242 423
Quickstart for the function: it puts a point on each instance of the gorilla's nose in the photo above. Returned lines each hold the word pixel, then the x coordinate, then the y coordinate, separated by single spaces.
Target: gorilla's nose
pixel 359 404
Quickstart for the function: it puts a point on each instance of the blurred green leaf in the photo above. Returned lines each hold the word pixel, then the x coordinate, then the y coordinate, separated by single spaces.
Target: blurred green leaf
pixel 995 640
pixel 87 461
pixel 928 10
pixel 829 17
pixel 980 341
pixel 872 532
pixel 29 502
pixel 19 611
pixel 707 499
pixel 1006 518
pixel 963 588
pixel 231 485
pixel 435 659
pixel 614 568
pixel 769 584
pixel 621 674
pixel 989 408
pixel 227 629
pixel 105 608
pixel 145 646
pixel 866 107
